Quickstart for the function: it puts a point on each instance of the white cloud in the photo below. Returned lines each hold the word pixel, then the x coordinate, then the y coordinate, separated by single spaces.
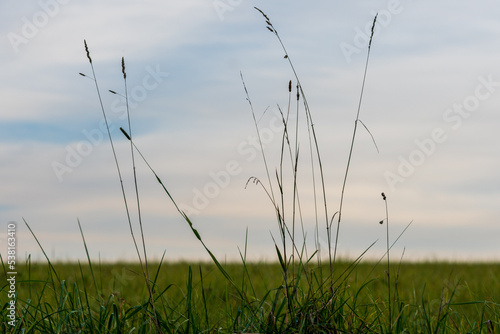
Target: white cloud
pixel 191 125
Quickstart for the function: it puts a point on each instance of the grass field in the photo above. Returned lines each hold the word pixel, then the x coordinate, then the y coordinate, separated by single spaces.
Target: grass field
pixel 293 295
pixel 434 297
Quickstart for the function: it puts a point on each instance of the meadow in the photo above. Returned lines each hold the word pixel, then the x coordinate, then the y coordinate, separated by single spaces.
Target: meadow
pixel 302 291
pixel 433 297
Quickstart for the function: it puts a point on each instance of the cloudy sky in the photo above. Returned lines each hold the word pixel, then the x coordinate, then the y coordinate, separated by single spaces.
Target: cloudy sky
pixel 431 102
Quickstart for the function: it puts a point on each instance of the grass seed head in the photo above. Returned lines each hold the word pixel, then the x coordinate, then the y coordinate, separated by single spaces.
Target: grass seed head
pixel 125 133
pixel 123 69
pixel 87 51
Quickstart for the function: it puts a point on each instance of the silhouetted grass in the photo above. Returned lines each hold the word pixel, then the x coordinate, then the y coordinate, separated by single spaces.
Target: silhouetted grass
pixel 296 294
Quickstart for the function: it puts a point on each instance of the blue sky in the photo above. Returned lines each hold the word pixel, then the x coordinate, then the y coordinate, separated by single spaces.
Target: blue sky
pixel 431 101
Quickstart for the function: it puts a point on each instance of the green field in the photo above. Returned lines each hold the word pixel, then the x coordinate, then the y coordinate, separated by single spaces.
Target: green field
pixel 429 297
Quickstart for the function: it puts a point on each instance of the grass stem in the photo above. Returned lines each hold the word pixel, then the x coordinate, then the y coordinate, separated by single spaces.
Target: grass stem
pixel 352 142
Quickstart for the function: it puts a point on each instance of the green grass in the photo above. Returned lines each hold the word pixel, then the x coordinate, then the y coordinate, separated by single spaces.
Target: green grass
pixel 195 297
pixel 297 294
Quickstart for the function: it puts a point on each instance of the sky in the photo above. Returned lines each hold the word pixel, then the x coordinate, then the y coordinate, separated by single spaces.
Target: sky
pixel 431 102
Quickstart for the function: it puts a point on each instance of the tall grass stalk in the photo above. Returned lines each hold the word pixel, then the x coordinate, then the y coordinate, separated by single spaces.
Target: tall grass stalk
pixel 94 78
pixel 352 141
pixel 186 218
pixel 259 138
pixel 143 264
pixel 43 251
pixel 313 144
pixel 89 261
pixel 279 208
pixel 270 192
pixel 311 130
pixel 145 268
pixel 384 197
